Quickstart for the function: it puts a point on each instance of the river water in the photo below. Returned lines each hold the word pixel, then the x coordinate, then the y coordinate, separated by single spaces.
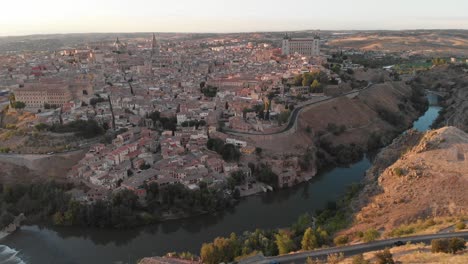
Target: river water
pixel 50 245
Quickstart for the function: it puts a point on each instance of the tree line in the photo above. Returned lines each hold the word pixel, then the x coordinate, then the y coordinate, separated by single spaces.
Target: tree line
pixel 51 202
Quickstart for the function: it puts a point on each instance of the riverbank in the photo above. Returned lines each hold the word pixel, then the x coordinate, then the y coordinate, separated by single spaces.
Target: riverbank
pixel 266 211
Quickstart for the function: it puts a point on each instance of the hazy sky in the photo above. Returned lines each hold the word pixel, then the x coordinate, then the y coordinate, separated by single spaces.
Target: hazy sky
pixel 19 17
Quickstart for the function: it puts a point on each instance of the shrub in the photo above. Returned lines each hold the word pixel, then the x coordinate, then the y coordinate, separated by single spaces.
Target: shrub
pixel 359 259
pixel 370 235
pixel 460 225
pixel 398 171
pixel 335 258
pixel 401 231
pixel 384 257
pixel 341 240
pixel 445 245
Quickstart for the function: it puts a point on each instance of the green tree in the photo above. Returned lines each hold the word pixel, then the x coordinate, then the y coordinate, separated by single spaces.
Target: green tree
pixel 456 244
pixel 307 79
pixel 284 242
pixel 230 153
pixel 284 116
pixel 297 80
pixel 258 150
pixel 18 105
pixel 315 86
pixel 309 240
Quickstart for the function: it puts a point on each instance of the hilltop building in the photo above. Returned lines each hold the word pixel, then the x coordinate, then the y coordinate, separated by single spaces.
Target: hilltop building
pixel 304 46
pixel 35 96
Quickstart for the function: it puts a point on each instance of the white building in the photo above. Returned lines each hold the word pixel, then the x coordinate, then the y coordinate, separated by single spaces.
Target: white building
pixel 304 46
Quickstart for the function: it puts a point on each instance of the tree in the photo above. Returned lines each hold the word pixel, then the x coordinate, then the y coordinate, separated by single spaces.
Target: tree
pixel 258 150
pixel 371 235
pixel 315 86
pixel 18 105
pixel 297 80
pixel 456 244
pixel 207 253
pixel 384 257
pixel 307 79
pixel 439 245
pixel 283 117
pixel 284 242
pixel 230 153
pixel 309 240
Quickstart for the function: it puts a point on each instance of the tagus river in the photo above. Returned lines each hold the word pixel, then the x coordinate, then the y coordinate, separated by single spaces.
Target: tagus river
pixel 50 245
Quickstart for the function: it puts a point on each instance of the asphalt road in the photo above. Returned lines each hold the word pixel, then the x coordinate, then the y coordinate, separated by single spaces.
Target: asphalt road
pixel 354 249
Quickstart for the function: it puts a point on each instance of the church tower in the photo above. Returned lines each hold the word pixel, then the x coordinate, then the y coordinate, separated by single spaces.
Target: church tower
pixel 154 46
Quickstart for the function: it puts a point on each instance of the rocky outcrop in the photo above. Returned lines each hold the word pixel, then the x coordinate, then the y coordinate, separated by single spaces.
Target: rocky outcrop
pixel 419 175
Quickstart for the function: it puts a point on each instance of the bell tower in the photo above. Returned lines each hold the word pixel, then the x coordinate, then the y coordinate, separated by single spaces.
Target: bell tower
pixel 154 46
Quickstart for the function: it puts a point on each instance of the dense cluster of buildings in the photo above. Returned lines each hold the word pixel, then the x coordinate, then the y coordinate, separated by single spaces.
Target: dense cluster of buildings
pixel 197 87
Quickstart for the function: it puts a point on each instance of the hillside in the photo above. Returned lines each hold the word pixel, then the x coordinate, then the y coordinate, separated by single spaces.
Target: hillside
pixel 418 176
pixel 451 81
pixel 427 42
pixel 416 253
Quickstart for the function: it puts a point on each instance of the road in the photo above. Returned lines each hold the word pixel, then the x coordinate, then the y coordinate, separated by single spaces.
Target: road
pixel 354 249
pixel 295 113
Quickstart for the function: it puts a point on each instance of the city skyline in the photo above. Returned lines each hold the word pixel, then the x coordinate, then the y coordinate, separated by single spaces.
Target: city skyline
pixel 54 16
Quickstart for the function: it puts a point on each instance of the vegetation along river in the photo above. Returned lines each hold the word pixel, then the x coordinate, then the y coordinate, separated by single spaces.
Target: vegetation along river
pixel 33 244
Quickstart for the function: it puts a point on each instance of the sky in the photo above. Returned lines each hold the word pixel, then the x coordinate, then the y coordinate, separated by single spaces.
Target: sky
pixel 23 17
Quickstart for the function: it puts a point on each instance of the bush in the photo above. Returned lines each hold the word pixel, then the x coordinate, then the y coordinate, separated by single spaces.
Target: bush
pixel 341 240
pixel 359 259
pixel 370 235
pixel 401 231
pixel 384 257
pixel 398 171
pixel 335 258
pixel 448 245
pixel 41 126
pixel 460 225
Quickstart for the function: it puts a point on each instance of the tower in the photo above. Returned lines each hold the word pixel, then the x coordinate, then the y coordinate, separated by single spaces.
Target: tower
pixel 285 45
pixel 154 46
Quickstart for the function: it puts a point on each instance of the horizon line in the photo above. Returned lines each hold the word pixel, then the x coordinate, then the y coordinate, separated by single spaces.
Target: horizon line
pixel 230 32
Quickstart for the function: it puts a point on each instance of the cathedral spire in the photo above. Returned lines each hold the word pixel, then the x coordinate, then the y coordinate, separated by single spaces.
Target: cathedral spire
pixel 154 46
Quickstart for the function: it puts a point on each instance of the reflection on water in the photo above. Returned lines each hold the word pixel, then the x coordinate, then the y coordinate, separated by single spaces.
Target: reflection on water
pixel 267 211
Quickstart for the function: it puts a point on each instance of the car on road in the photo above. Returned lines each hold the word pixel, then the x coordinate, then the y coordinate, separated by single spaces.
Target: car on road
pixel 398 243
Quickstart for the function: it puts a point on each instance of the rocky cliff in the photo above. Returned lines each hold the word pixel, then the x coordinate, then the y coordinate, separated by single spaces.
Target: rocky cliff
pixel 419 175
